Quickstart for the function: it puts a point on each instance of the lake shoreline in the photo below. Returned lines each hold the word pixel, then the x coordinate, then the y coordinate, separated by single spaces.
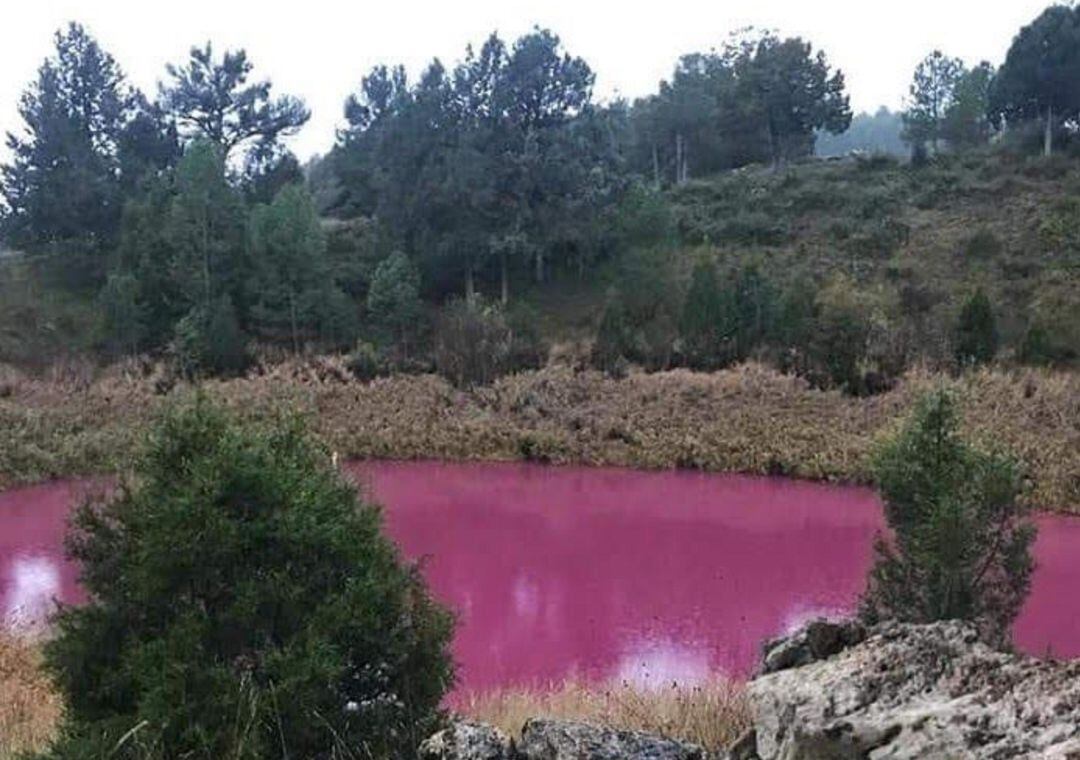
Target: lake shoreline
pixel 747 419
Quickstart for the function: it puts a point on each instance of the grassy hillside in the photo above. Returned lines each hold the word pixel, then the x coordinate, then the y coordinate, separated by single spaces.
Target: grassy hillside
pixel 915 241
pixel 918 239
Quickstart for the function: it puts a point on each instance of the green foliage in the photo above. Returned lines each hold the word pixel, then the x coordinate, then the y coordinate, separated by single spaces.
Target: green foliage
pixel 759 98
pixel 205 232
pixel 122 316
pixel 702 326
pixel 88 139
pixel 473 342
pixel 208 341
pixel 960 547
pixel 797 94
pixel 393 300
pixel 984 244
pixel 1037 79
pixel 297 299
pixel 1053 334
pixel 966 123
pixel 932 93
pixel 62 182
pixel 366 363
pixel 501 160
pixel 213 101
pixel 976 335
pixel 614 340
pixel 841 332
pixel 753 308
pixel 243 603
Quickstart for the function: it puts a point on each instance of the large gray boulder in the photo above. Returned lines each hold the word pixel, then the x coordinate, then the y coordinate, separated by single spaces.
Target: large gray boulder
pixel 467 741
pixel 565 740
pixel 907 691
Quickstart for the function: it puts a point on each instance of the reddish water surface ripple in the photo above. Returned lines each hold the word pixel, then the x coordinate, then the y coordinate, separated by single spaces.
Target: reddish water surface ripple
pixel 599 573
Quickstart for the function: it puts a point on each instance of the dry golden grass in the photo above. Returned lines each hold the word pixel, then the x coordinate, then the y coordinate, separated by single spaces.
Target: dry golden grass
pixel 29 706
pixel 712 714
pixel 746 419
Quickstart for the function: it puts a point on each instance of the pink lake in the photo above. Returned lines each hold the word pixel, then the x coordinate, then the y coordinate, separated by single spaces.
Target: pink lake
pixel 599 573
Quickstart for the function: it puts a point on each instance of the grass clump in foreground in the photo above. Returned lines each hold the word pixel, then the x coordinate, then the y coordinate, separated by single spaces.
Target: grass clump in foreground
pixel 712 714
pixel 244 604
pixel 30 706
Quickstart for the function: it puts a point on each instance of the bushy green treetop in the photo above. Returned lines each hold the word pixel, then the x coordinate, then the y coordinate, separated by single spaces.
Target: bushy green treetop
pixel 243 602
pixel 960 548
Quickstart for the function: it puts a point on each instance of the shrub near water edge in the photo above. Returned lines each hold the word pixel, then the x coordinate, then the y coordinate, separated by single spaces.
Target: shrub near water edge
pixel 243 603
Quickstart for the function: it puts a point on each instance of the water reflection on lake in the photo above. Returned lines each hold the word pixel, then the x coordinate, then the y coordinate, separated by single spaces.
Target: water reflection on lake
pixel 599 573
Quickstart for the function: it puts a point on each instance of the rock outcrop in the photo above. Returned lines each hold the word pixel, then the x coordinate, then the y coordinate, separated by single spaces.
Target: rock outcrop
pixel 467 741
pixel 553 740
pixel 908 691
pixel 839 691
pixel 563 740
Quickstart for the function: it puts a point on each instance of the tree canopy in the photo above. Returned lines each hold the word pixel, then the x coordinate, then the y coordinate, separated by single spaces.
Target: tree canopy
pixel 212 99
pixel 1038 78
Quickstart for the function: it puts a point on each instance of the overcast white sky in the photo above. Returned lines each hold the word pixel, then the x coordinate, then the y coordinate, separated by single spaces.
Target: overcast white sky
pixel 319 49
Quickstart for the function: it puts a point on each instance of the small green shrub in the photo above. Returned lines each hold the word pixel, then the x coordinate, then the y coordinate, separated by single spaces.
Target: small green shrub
pixel 243 603
pixel 961 548
pixel 614 337
pixel 210 342
pixel 366 363
pixel 473 342
pixel 984 244
pixel 976 335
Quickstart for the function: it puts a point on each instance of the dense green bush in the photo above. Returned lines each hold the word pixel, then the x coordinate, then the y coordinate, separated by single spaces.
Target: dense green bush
pixel 1053 335
pixel 841 331
pixel 704 315
pixel 614 341
pixel 984 244
pixel 243 603
pixel 366 363
pixel 473 342
pixel 976 335
pixel 960 546
pixel 210 341
pixel 393 300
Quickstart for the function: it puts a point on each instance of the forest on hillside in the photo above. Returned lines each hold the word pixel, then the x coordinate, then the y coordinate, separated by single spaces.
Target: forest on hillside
pixel 466 218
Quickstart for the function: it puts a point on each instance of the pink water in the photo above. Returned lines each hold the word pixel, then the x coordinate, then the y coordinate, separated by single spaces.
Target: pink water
pixel 598 573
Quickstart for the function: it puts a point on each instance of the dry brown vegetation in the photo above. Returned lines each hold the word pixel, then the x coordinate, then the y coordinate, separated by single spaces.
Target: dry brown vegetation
pixel 712 714
pixel 29 706
pixel 747 419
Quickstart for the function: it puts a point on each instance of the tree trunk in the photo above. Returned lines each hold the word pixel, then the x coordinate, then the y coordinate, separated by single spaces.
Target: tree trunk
pixel 505 277
pixel 656 166
pixel 1048 138
pixel 292 320
pixel 539 265
pixel 470 284
pixel 679 149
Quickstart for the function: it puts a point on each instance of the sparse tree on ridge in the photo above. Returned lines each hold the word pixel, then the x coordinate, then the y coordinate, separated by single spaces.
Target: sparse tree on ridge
pixel 212 99
pixel 797 93
pixel 62 182
pixel 933 89
pixel 1039 76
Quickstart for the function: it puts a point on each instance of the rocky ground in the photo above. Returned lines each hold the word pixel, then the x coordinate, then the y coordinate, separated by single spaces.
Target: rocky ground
pixel 838 691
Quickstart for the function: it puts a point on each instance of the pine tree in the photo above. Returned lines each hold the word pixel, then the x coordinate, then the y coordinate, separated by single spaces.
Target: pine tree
pixel 292 274
pixel 243 602
pixel 976 334
pixel 62 185
pixel 961 548
pixel 702 326
pixel 394 299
